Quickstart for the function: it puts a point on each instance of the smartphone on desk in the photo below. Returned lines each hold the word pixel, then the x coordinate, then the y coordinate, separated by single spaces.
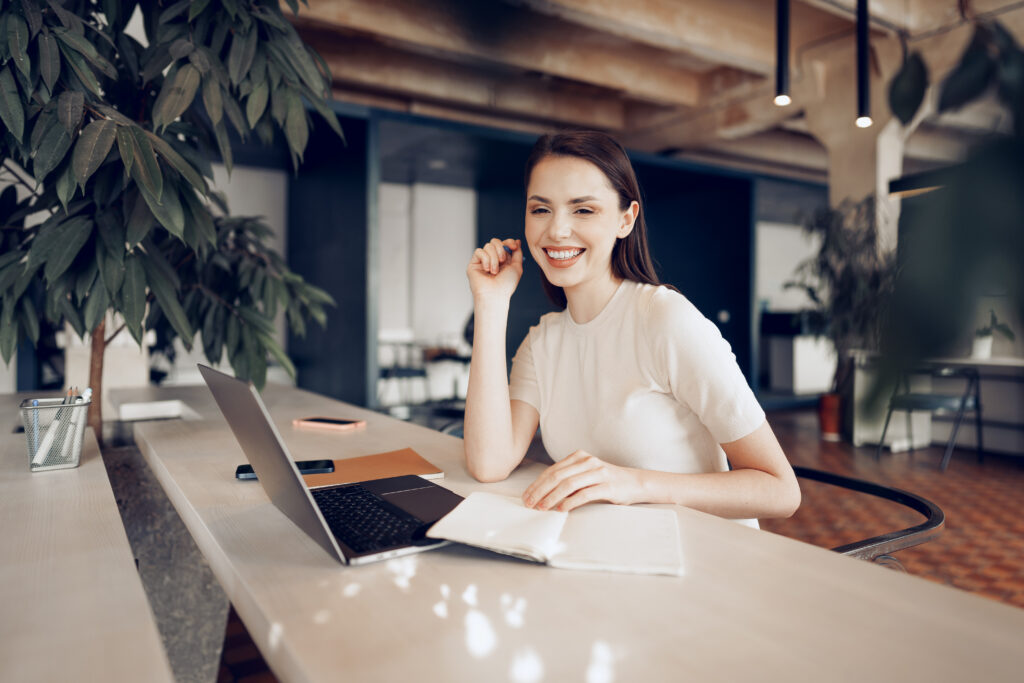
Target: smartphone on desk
pixel 334 423
pixel 305 467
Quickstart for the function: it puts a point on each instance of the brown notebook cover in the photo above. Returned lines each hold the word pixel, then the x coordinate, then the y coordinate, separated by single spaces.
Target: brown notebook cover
pixel 376 466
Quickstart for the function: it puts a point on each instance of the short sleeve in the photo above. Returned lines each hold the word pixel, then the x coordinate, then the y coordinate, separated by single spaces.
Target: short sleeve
pixel 690 355
pixel 522 384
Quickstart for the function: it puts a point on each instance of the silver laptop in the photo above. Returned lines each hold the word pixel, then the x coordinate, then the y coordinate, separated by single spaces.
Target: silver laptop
pixel 356 523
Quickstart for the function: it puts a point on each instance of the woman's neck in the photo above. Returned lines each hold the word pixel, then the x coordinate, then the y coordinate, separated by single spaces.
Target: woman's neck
pixel 586 300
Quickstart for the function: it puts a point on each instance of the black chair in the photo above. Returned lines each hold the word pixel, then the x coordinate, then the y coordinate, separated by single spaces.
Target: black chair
pixel 879 549
pixel 905 399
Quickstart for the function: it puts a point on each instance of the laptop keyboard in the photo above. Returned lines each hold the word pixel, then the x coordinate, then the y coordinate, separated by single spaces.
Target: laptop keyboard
pixel 363 521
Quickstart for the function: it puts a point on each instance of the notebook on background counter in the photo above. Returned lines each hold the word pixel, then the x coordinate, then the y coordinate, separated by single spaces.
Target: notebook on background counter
pixel 377 466
pixel 598 536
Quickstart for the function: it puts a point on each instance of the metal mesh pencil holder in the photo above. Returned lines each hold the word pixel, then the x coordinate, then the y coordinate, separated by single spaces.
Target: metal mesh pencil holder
pixel 54 431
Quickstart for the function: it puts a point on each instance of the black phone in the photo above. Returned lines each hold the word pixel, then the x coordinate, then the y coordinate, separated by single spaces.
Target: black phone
pixel 305 467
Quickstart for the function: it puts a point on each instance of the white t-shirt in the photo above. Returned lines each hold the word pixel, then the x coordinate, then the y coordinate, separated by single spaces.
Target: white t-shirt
pixel 649 383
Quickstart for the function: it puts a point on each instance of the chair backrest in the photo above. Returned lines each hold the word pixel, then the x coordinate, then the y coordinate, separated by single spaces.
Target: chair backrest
pixel 880 548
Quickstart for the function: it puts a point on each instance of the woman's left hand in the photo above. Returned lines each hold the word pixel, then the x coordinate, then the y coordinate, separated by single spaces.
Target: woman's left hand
pixel 583 478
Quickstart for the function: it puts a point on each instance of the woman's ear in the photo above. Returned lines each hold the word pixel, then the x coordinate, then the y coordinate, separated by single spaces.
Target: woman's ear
pixel 628 220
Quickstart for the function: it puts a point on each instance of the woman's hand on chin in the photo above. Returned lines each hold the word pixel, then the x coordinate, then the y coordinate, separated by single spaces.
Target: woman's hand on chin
pixel 583 478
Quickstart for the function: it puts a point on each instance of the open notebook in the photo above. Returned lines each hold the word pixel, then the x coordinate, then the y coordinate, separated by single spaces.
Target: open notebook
pixel 598 536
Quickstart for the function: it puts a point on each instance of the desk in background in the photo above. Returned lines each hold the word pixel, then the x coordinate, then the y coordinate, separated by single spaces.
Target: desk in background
pixel 72 607
pixel 752 605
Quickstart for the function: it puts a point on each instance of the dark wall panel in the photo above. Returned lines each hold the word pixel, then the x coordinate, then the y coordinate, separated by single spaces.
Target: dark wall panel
pixel 328 232
pixel 701 238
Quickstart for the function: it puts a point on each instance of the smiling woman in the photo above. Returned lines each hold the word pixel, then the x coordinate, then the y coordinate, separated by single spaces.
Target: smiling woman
pixel 638 396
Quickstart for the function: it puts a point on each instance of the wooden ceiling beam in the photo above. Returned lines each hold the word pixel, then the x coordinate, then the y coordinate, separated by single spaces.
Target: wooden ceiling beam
pixel 738 33
pixel 496 34
pixel 377 68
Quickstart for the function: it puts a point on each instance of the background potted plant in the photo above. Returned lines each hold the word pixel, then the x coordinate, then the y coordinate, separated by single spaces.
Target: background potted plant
pixel 849 281
pixel 110 138
pixel 983 336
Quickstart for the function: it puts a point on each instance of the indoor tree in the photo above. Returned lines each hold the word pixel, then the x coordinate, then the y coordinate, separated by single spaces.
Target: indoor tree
pixel 110 139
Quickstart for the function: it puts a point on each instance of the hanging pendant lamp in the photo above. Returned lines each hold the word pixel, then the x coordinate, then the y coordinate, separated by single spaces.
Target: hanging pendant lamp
pixel 782 53
pixel 863 73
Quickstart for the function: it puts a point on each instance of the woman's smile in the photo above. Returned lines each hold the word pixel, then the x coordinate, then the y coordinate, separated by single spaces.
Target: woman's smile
pixel 563 257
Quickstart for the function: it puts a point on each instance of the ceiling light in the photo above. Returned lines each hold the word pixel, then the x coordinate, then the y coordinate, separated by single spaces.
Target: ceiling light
pixel 863 74
pixel 782 53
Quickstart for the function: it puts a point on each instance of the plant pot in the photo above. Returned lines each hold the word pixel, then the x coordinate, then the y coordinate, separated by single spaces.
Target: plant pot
pixel 982 347
pixel 829 416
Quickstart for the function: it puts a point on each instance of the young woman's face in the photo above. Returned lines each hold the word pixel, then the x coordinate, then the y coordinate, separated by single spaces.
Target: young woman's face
pixel 573 219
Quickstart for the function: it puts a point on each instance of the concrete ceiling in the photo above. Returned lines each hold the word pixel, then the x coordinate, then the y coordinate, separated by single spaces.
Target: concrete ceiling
pixel 687 78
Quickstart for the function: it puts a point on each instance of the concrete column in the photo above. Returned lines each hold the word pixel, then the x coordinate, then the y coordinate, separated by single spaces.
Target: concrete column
pixel 861 161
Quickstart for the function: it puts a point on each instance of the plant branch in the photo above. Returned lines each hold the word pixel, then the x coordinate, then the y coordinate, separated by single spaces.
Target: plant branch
pixel 17 176
pixel 116 332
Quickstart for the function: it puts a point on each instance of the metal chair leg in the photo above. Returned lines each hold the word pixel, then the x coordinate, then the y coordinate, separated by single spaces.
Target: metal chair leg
pixel 952 437
pixel 977 419
pixel 881 439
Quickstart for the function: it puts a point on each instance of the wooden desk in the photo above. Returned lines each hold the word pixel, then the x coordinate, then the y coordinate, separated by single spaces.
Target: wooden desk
pixel 72 607
pixel 752 605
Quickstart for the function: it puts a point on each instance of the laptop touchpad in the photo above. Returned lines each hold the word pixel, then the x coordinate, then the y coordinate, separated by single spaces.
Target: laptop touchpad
pixel 429 504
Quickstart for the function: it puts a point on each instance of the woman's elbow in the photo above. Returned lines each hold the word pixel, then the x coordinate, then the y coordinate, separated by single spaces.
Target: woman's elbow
pixel 790 499
pixel 484 472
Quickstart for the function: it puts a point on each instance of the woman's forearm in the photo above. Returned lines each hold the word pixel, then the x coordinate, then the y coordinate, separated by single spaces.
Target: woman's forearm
pixel 490 449
pixel 737 494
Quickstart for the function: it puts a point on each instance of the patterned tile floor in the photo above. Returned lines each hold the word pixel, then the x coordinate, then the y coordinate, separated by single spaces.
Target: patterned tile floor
pixel 981 549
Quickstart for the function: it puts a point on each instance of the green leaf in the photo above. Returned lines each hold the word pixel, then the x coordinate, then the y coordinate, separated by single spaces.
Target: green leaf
pixel 114 114
pixel 235 115
pixel 11 111
pixel 146 170
pixel 232 334
pixel 32 15
pixel 30 319
pixel 329 116
pixel 49 60
pixel 257 103
pixel 198 215
pixel 17 43
pixel 133 295
pixel 180 94
pixel 196 8
pixel 82 46
pixel 167 209
pixel 182 47
pixel 157 62
pixel 53 147
pixel 295 128
pixel 177 162
pixel 71 109
pixel 111 269
pixel 66 186
pixel 277 352
pixel 971 77
pixel 167 296
pixel 125 148
pixel 81 69
pixel 95 307
pixel 212 100
pixel 85 280
pixel 112 231
pixel 240 56
pixel 224 144
pixel 57 244
pixel 69 20
pixel 140 220
pixel 200 60
pixel 92 148
pixel 8 332
pixel 906 92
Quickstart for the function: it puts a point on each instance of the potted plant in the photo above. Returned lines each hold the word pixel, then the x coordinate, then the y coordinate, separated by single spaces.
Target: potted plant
pixel 983 336
pixel 109 136
pixel 849 281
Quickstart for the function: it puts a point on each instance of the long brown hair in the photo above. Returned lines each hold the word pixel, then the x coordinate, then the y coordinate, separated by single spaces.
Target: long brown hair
pixel 631 257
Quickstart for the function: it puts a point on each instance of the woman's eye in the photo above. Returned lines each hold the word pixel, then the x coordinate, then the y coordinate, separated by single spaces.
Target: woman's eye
pixel 584 210
pixel 539 209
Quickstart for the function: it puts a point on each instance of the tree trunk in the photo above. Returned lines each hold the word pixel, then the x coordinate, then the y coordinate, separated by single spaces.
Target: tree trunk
pixel 99 345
